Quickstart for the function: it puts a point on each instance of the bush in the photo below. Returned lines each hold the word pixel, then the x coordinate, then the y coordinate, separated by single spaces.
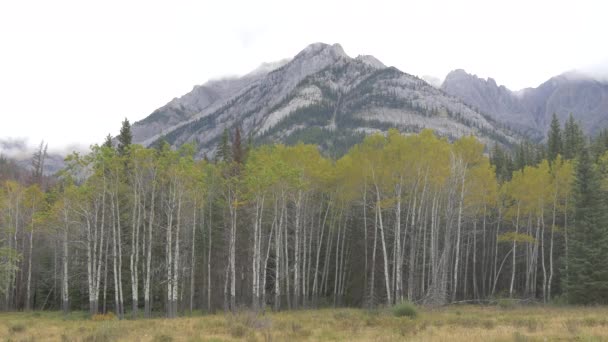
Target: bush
pixel 405 309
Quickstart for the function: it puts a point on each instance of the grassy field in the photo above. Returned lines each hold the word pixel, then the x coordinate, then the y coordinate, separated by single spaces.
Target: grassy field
pixel 456 323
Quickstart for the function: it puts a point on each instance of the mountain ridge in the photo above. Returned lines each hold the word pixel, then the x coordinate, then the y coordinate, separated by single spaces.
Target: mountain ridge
pixel 320 91
pixel 529 110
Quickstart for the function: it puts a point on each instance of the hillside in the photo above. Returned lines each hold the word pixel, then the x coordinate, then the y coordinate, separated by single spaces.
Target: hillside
pixel 529 110
pixel 320 96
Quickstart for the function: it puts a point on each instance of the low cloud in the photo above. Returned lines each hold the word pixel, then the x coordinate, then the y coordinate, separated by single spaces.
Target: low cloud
pixel 597 71
pixel 22 148
pixel 14 147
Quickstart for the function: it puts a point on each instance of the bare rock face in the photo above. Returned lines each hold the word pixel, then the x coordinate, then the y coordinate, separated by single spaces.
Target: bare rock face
pixel 529 110
pixel 320 96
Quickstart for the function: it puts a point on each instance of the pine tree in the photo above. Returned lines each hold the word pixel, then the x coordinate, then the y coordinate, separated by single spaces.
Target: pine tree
pixel 554 141
pixel 108 142
pixel 502 163
pixel 223 150
pixel 38 163
pixel 600 144
pixel 587 278
pixel 573 138
pixel 238 153
pixel 125 137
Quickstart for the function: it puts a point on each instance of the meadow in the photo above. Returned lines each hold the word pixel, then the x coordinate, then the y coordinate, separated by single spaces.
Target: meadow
pixel 453 323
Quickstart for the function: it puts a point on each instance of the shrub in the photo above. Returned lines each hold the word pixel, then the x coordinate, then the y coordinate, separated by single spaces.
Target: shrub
pixel 405 309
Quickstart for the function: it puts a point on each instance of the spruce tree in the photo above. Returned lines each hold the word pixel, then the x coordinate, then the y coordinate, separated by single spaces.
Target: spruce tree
pixel 554 141
pixel 573 138
pixel 238 153
pixel 502 163
pixel 223 150
pixel 125 137
pixel 586 281
pixel 108 142
pixel 600 144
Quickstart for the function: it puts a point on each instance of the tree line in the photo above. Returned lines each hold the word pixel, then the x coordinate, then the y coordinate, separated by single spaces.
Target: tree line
pixel 144 231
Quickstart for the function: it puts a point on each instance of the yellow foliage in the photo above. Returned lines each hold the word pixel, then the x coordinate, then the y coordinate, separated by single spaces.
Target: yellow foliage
pixel 516 237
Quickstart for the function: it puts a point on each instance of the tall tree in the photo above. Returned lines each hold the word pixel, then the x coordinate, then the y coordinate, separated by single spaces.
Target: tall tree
pixel 573 138
pixel 124 137
pixel 223 150
pixel 108 142
pixel 587 278
pixel 38 161
pixel 238 150
pixel 554 139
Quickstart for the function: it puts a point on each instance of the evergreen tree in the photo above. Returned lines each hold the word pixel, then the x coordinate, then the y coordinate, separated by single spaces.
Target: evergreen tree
pixel 502 163
pixel 599 144
pixel 238 152
pixel 125 137
pixel 223 150
pixel 573 138
pixel 108 142
pixel 587 278
pixel 554 141
pixel 521 157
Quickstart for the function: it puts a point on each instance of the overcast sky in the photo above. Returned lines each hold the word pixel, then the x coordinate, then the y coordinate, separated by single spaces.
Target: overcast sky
pixel 70 71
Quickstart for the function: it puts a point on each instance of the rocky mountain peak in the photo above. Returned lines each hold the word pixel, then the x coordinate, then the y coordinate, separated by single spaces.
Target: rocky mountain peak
pixel 320 96
pixel 371 61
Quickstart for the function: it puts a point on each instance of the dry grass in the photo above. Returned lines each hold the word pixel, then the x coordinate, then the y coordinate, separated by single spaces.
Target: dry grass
pixel 457 323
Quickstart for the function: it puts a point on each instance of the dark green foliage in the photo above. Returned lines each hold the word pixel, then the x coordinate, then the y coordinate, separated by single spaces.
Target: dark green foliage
pixel 108 142
pixel 586 280
pixel 554 139
pixel 502 162
pixel 224 150
pixel 573 138
pixel 124 138
pixel 525 154
pixel 405 309
pixel 238 151
pixel 599 144
pixel 333 143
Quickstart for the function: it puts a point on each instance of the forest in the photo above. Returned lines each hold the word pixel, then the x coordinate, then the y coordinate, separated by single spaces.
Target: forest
pixel 400 217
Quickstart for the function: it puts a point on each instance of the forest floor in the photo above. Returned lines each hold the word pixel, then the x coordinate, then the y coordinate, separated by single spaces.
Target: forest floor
pixel 454 323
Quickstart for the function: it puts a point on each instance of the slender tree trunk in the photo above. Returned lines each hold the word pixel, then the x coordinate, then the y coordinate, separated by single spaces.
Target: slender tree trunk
pixel 386 272
pixel 193 256
pixel 372 300
pixel 147 307
pixel 28 297
pixel 65 295
pixel 514 253
pixel 458 232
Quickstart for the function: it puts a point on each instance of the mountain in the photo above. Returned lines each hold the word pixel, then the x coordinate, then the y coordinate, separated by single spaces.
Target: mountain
pixel 319 96
pixel 529 110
